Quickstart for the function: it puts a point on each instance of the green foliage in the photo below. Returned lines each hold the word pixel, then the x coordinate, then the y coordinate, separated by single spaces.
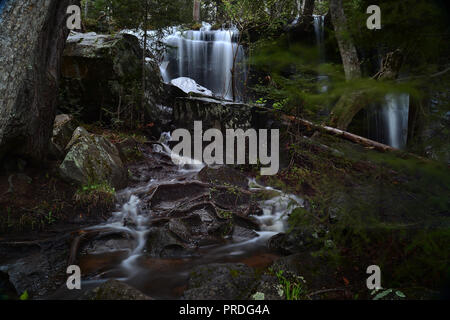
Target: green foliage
pixel 267 15
pixel 139 14
pixel 294 87
pixel 24 295
pixel 293 286
pixel 96 196
pixel 388 293
pixel 417 27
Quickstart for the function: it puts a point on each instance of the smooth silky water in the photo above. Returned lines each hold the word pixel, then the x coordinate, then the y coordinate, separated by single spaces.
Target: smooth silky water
pixel 166 278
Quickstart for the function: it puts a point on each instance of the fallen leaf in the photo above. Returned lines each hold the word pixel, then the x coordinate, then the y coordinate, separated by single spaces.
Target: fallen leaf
pixel 346 281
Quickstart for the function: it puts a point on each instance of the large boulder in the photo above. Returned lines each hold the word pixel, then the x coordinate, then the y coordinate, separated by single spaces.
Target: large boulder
pixel 63 128
pixel 227 281
pixel 92 159
pixel 7 290
pixel 105 71
pixel 32 37
pixel 114 290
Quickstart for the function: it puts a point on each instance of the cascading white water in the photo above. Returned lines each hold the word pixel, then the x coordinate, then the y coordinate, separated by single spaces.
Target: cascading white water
pixel 395 112
pixel 207 56
pixel 388 121
pixel 319 30
pixel 276 210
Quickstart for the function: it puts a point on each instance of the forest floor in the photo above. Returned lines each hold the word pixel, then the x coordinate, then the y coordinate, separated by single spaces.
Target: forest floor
pixel 366 208
pixel 385 209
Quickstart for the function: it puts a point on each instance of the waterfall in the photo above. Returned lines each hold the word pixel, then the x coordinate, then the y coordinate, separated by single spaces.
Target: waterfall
pixel 319 30
pixel 388 122
pixel 207 57
pixel 395 115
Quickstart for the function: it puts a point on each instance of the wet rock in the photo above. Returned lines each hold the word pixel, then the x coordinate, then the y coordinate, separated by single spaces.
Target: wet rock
pixel 32 40
pixel 63 129
pixel 108 242
pixel 230 197
pixel 114 290
pixel 247 222
pixel 168 196
pixel 299 239
pixel 7 290
pixel 223 175
pixel 214 113
pixel 200 230
pixel 39 271
pixel 228 281
pixel 93 159
pixel 241 234
pixel 162 243
pixel 106 70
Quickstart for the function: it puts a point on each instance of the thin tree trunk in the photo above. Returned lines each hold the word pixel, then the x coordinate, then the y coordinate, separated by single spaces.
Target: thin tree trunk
pixel 347 48
pixel 196 13
pixel 144 54
pixel 86 8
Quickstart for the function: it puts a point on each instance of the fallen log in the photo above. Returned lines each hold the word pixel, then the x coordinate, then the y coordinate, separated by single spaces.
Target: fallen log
pixel 333 131
pixel 344 135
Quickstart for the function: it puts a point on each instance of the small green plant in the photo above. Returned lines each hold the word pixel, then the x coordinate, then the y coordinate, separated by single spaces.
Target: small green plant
pixel 293 286
pixel 49 217
pixel 261 101
pixel 280 104
pixel 388 294
pixel 24 295
pixel 96 196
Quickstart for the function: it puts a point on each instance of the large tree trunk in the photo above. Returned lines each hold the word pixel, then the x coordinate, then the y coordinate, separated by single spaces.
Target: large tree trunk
pixel 348 105
pixel 308 8
pixel 347 48
pixel 32 39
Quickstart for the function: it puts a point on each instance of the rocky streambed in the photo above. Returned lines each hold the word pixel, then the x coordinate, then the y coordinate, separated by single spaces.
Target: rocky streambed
pixel 178 231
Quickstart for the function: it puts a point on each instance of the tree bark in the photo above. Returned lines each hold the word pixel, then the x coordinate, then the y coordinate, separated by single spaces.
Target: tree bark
pixel 196 13
pixel 348 105
pixel 347 48
pixel 32 39
pixel 390 66
pixel 144 55
pixel 308 8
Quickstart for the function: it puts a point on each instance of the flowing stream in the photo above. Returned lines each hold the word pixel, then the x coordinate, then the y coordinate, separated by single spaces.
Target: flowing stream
pixel 126 258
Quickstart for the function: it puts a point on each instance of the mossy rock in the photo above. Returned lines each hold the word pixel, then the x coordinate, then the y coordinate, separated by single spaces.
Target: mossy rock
pixel 93 159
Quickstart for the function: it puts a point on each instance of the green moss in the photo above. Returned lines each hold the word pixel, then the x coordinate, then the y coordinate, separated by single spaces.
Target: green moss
pixel 93 197
pixel 235 273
